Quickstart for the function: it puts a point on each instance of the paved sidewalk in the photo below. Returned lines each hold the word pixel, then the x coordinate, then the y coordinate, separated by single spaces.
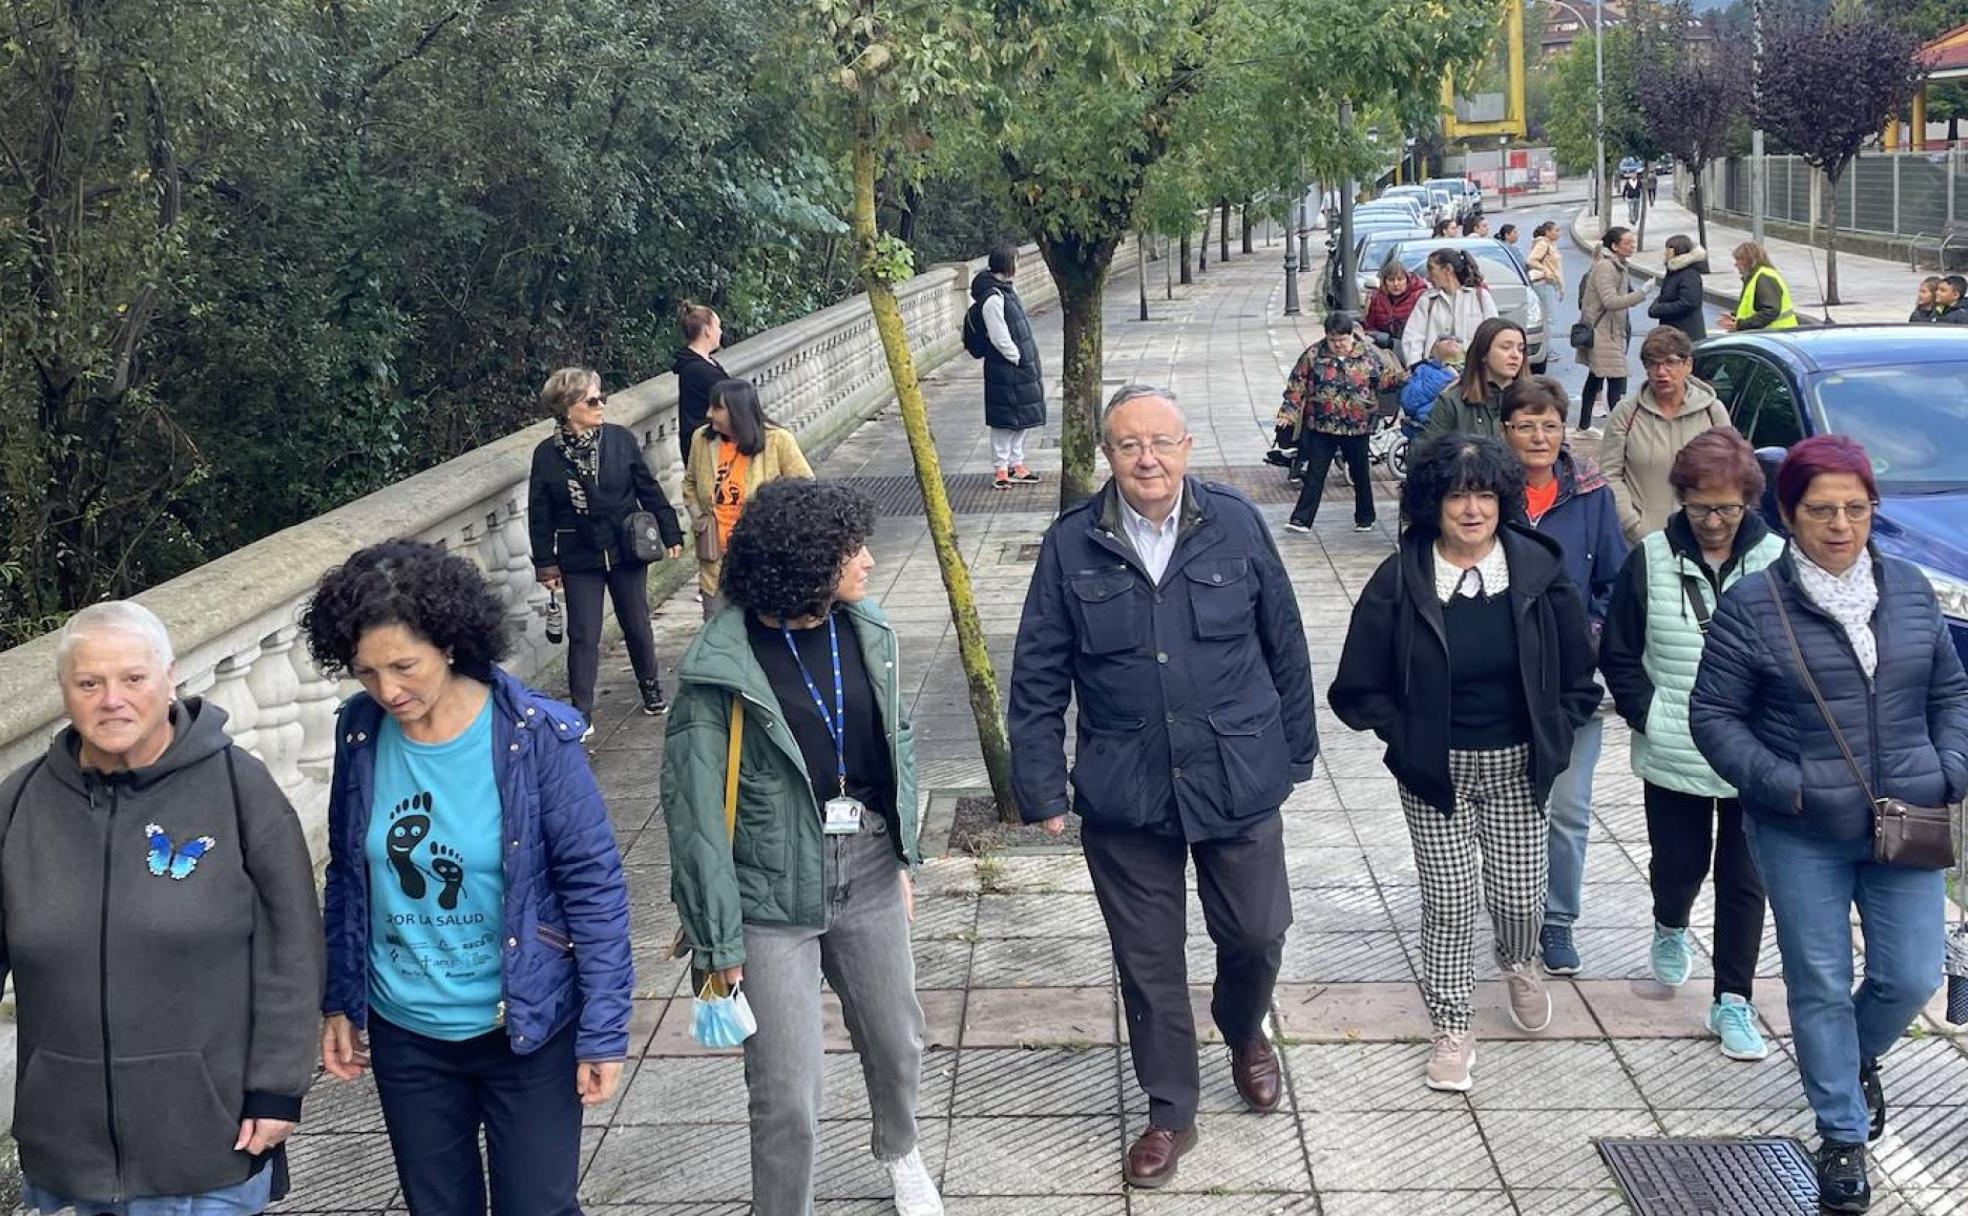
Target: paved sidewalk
pixel 1873 289
pixel 1028 1098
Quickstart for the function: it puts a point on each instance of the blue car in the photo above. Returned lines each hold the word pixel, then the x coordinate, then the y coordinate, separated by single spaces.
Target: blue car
pixel 1902 391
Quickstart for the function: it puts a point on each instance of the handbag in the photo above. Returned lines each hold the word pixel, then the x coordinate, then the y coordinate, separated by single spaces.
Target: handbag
pixel 1581 336
pixel 644 536
pixel 710 547
pixel 680 945
pixel 1911 837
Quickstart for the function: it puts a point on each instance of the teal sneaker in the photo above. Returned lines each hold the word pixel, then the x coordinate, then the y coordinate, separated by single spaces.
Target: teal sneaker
pixel 1733 1019
pixel 1670 956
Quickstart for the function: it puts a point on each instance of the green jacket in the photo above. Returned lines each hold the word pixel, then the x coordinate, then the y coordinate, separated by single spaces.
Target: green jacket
pixel 771 872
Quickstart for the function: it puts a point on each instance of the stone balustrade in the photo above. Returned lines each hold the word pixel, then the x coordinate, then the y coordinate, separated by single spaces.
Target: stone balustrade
pixel 235 621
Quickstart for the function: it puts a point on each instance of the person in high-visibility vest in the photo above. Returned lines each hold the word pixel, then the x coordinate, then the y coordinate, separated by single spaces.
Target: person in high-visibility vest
pixel 1765 302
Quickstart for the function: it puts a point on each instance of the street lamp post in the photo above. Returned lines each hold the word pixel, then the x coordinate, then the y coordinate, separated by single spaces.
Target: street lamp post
pixel 1756 133
pixel 1602 199
pixel 1291 257
pixel 1348 295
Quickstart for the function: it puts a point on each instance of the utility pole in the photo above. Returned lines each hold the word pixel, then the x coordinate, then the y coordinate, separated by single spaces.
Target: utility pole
pixel 1756 133
pixel 1349 296
pixel 1605 191
pixel 1291 262
pixel 1141 269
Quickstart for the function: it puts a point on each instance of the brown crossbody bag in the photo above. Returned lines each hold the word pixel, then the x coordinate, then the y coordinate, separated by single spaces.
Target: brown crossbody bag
pixel 1904 835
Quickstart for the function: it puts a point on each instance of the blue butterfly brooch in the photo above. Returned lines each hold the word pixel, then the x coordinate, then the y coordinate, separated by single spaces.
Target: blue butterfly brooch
pixel 177 862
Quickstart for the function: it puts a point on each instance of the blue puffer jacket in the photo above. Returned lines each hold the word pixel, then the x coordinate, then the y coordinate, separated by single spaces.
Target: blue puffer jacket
pixel 566 924
pixel 1757 726
pixel 1584 520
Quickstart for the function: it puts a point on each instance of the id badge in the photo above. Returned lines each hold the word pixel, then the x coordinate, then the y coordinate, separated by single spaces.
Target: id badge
pixel 841 816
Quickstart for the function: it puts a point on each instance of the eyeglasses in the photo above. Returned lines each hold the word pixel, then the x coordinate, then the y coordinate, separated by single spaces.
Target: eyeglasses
pixel 1701 515
pixel 1825 512
pixel 1656 364
pixel 1528 429
pixel 1161 445
pixel 594 399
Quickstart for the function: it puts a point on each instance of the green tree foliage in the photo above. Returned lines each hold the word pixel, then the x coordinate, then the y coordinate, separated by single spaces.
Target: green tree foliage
pixel 258 258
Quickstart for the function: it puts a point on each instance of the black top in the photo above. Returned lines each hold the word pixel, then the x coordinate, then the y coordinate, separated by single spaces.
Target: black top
pixel 870 774
pixel 1486 692
pixel 696 374
pixel 581 541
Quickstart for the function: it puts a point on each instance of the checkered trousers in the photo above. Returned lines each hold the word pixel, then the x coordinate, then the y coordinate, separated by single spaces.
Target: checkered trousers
pixel 1497 837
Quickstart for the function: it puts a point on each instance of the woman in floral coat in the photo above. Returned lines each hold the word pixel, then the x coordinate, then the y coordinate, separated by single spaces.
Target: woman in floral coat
pixel 1334 392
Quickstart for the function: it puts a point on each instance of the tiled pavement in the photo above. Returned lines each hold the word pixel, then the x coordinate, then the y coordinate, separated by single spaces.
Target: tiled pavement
pixel 1028 1100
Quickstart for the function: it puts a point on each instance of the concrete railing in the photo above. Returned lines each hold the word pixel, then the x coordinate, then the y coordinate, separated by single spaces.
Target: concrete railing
pixel 235 621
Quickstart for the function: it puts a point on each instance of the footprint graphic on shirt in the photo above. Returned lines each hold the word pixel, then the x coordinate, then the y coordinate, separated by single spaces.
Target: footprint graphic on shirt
pixel 447 864
pixel 409 824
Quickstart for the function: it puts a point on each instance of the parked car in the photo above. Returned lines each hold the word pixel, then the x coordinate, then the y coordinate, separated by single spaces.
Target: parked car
pixel 1502 272
pixel 1370 252
pixel 1902 391
pixel 1467 196
pixel 1445 203
pixel 1405 204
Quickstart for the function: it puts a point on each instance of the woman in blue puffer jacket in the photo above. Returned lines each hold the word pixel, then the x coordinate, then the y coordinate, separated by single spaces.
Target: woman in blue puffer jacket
pixel 1872 637
pixel 477 919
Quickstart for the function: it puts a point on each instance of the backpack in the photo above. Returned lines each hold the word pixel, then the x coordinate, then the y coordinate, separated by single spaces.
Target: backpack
pixel 976 342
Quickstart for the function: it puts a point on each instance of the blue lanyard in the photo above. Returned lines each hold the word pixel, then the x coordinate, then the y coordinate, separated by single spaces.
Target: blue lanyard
pixel 836 722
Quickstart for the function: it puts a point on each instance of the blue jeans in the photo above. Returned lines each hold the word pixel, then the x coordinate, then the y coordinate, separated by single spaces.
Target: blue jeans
pixel 1812 885
pixel 1570 814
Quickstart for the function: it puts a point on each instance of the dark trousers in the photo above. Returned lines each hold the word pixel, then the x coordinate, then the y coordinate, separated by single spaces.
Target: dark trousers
pixel 1138 879
pixel 1315 452
pixel 628 586
pixel 1615 387
pixel 435 1097
pixel 1681 828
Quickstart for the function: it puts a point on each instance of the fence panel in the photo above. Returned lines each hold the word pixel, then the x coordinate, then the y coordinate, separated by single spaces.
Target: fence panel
pixel 1923 194
pixel 1866 202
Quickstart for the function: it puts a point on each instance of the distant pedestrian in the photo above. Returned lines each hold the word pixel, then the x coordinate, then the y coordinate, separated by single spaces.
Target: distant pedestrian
pixel 1926 307
pixel 1392 302
pixel 588 478
pixel 1507 234
pixel 1948 300
pixel 1647 430
pixel 1606 297
pixel 1476 225
pixel 696 370
pixel 1890 722
pixel 1473 405
pixel 1680 302
pixel 1469 656
pixel 1162 608
pixel 1656 627
pixel 741 451
pixel 1632 192
pixel 1014 383
pixel 795 866
pixel 1457 301
pixel 1546 269
pixel 1765 302
pixel 1444 229
pixel 477 917
pixel 1567 499
pixel 1334 391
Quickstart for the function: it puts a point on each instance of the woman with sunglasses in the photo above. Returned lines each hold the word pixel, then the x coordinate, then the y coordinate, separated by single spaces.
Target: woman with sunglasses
pixel 1870 637
pixel 588 478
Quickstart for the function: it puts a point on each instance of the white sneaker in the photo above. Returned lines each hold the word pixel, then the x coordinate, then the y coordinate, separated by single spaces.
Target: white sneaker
pixel 1449 1063
pixel 915 1190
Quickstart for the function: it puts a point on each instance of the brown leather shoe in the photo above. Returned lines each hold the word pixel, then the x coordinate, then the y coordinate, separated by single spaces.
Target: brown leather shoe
pixel 1254 1067
pixel 1151 1162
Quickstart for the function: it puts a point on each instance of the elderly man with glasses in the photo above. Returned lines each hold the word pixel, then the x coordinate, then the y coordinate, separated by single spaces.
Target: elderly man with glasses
pixel 1162 604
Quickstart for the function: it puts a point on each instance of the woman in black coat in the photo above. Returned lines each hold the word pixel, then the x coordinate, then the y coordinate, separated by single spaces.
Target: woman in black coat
pixel 1680 302
pixel 587 480
pixel 697 370
pixel 1470 657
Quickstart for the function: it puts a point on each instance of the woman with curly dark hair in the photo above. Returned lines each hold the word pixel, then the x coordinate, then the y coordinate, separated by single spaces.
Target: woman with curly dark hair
pixel 477 918
pixel 1469 656
pixel 806 873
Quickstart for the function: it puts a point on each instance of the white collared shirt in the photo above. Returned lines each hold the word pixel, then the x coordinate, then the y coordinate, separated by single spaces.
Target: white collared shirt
pixel 1491 576
pixel 1154 544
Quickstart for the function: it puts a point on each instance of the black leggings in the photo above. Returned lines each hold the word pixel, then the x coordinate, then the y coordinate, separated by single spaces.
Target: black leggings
pixel 1615 389
pixel 1680 830
pixel 628 586
pixel 1316 450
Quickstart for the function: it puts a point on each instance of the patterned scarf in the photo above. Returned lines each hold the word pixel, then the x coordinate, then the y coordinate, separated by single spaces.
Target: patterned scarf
pixel 584 453
pixel 1850 598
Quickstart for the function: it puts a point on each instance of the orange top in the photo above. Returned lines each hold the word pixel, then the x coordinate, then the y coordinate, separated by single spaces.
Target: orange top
pixel 1539 500
pixel 728 491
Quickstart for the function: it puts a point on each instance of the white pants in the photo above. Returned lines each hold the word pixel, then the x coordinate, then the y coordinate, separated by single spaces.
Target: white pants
pixel 1007 449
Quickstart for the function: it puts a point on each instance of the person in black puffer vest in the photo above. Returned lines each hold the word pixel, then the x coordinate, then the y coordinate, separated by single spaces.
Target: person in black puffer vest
pixel 1014 382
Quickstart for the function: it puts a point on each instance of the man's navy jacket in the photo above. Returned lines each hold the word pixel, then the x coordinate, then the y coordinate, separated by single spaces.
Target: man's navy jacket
pixel 1195 692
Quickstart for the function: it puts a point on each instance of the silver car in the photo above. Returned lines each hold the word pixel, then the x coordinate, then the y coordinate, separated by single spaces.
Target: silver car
pixel 1502 273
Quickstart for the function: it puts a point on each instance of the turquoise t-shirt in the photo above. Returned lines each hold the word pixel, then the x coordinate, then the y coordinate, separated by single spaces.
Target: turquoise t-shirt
pixel 437 882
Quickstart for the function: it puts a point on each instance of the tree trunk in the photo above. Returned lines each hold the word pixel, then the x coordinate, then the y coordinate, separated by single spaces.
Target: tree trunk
pixel 1079 269
pixel 985 706
pixel 1168 271
pixel 1247 226
pixel 1640 231
pixel 1141 270
pixel 1202 246
pixel 1701 210
pixel 1223 246
pixel 1187 278
pixel 1831 244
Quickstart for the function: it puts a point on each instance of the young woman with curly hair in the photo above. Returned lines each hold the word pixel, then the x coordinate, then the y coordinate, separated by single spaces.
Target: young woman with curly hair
pixel 477 919
pixel 1469 656
pixel 795 682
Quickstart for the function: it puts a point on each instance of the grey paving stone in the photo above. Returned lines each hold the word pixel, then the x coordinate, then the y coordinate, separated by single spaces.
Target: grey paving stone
pixel 944 917
pixel 341 1106
pixel 1166 1203
pixel 1924 1072
pixel 1036 1205
pixel 1406 1203
pixel 1339 910
pixel 1321 828
pixel 1552 1076
pixel 1239 1153
pixel 941 964
pixel 651 1164
pixel 1034 1156
pixel 1925 1147
pixel 1557 1150
pixel 1048 916
pixel 1367 1076
pixel 1343 958
pixel 1049 1082
pixel 1030 962
pixel 845 1166
pixel 346 1172
pixel 1327 866
pixel 1397 1151
pixel 1689 1074
pixel 1568 1203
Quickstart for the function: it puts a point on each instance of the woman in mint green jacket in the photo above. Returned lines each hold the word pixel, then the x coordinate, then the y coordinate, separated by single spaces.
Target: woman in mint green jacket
pixel 812 877
pixel 1651 649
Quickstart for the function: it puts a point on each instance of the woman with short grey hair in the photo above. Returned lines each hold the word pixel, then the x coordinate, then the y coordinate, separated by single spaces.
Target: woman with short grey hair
pixel 158 917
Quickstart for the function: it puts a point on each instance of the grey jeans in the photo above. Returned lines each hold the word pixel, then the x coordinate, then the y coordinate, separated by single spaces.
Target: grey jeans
pixel 864 955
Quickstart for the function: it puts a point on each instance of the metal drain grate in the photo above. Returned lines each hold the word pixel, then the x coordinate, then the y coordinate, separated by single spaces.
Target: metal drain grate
pixel 1763 1177
pixel 973 494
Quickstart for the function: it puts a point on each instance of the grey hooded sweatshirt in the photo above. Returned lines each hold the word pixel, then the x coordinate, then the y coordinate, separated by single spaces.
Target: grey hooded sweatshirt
pixel 164 992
